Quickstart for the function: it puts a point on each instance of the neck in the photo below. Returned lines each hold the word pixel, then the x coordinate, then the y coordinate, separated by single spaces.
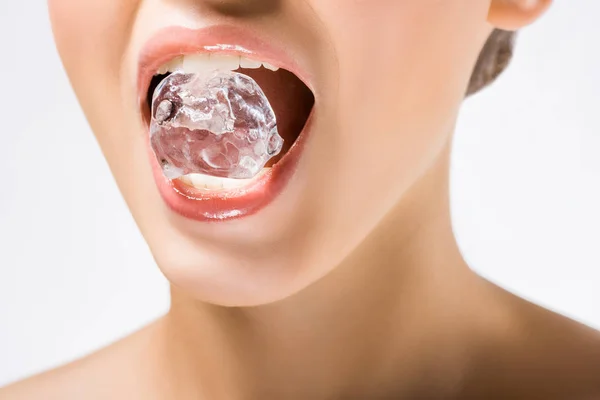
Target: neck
pixel 392 319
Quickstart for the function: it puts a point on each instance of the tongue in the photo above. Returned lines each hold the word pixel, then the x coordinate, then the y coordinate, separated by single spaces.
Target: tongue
pixel 291 100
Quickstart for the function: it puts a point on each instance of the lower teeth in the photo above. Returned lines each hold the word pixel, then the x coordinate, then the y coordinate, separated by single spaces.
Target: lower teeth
pixel 220 126
pixel 213 183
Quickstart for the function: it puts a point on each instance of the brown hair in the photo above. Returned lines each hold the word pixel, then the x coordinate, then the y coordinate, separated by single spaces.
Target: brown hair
pixel 493 60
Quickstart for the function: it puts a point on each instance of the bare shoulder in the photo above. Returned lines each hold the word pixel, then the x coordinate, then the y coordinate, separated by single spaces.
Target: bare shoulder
pixel 566 355
pixel 539 354
pixel 62 383
pixel 111 373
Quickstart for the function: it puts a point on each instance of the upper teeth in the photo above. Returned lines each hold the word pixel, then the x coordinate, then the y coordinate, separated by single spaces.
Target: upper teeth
pixel 208 62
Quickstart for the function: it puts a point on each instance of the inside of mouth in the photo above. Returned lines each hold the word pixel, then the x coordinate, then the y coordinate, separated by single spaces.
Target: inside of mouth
pixel 291 100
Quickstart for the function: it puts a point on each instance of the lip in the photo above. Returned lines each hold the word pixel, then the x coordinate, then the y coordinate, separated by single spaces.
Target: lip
pixel 171 42
pixel 232 204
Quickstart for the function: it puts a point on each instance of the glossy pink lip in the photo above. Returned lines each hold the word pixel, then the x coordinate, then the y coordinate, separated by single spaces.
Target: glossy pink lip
pixel 171 42
pixel 217 206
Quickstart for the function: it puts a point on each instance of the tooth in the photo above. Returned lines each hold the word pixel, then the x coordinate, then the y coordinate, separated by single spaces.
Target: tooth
pixel 197 63
pixel 235 183
pixel 210 182
pixel 207 182
pixel 213 183
pixel 226 62
pixel 175 64
pixel 163 70
pixel 270 66
pixel 199 181
pixel 186 179
pixel 202 63
pixel 227 184
pixel 248 63
pixel 263 171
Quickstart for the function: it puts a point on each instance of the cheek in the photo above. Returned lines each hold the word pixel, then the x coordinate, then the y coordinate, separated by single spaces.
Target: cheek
pixel 396 57
pixel 402 71
pixel 91 31
pixel 91 37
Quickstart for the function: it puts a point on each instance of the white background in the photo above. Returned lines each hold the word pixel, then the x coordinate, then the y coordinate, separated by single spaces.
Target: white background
pixel 75 273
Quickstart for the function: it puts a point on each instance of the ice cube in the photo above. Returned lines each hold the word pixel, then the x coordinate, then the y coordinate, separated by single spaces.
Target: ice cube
pixel 220 124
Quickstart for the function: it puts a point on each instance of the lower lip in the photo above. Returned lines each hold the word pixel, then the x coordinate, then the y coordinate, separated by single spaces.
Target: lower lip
pixel 230 204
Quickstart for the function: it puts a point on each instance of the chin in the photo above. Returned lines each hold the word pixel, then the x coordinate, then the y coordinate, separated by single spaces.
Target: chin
pixel 234 280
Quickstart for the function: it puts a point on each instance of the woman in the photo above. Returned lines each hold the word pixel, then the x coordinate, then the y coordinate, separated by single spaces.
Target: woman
pixel 335 273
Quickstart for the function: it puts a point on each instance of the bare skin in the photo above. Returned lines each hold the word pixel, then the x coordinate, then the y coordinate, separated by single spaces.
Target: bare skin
pixel 414 324
pixel 399 315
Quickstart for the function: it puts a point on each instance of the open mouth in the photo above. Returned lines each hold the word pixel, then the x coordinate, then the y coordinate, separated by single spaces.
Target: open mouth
pixel 291 99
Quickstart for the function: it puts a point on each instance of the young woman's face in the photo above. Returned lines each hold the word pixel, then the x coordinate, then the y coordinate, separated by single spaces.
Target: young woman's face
pixel 387 78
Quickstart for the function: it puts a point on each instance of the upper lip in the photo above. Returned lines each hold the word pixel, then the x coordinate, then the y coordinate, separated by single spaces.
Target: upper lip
pixel 171 42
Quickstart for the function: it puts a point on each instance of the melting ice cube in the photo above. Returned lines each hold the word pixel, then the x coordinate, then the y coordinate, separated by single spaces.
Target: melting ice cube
pixel 219 124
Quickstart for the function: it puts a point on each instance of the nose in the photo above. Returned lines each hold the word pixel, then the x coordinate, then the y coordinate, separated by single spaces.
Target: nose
pixel 243 8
